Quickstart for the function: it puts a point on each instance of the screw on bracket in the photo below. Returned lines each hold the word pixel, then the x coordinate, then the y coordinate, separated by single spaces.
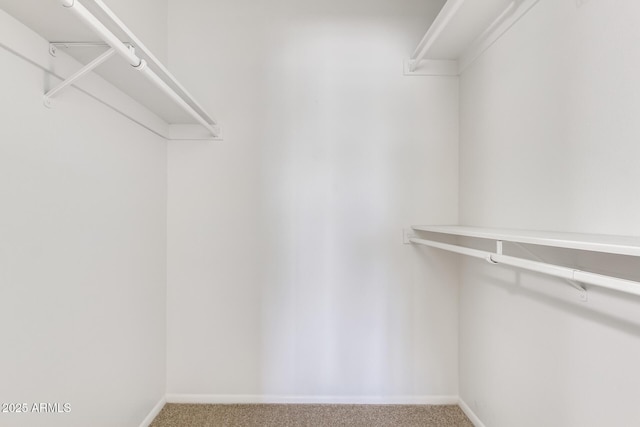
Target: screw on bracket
pixel 584 297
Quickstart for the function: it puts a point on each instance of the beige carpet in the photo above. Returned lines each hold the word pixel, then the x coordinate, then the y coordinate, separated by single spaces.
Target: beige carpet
pixel 188 415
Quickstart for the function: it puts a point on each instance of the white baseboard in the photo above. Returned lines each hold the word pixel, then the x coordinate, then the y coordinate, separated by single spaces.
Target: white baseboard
pixel 154 413
pixel 470 414
pixel 363 400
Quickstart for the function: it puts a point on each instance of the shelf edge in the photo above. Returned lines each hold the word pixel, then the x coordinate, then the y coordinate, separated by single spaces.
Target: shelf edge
pixel 579 241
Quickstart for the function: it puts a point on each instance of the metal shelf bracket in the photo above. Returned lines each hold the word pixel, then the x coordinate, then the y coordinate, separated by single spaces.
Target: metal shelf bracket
pixel 48 97
pixel 582 290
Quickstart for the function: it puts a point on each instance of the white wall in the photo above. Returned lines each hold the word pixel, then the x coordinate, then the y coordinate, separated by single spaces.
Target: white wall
pixel 549 140
pixel 287 275
pixel 82 257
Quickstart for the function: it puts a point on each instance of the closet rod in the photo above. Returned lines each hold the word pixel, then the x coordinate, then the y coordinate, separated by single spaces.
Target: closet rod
pixel 136 41
pixel 129 55
pixel 608 282
pixel 439 24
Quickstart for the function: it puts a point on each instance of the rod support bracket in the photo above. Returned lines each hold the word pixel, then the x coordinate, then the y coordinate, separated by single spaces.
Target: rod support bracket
pixel 77 75
pixel 582 290
pixel 141 66
pixel 53 49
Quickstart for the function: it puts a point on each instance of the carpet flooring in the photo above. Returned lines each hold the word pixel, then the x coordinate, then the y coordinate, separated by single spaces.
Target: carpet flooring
pixel 271 415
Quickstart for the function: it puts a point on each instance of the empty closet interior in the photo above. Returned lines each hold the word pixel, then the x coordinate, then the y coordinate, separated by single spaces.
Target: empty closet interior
pixel 421 202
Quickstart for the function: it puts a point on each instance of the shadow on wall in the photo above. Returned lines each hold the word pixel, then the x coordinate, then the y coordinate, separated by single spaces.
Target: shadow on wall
pixel 613 309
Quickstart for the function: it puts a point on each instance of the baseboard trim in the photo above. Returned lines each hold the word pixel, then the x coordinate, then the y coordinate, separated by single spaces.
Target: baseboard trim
pixel 362 400
pixel 470 414
pixel 154 413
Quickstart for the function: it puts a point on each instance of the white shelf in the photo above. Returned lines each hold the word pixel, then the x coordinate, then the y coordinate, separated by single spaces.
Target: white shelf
pixel 461 32
pixel 56 23
pixel 621 245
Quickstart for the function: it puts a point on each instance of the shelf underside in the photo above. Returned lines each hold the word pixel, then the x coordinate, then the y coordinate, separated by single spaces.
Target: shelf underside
pixel 467 24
